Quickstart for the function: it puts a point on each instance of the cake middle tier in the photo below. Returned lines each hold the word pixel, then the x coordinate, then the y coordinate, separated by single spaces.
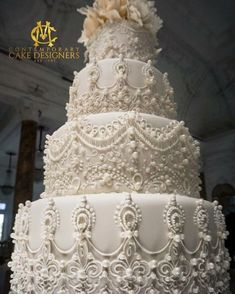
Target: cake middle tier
pixel 121 152
pixel 120 84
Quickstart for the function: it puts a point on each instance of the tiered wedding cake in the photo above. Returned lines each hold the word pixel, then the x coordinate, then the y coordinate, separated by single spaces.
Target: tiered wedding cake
pixel 121 211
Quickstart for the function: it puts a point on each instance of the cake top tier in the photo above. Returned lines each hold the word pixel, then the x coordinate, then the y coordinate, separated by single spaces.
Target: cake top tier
pixel 127 27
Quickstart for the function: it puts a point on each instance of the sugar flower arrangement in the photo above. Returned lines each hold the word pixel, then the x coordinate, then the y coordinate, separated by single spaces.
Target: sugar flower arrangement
pixel 141 12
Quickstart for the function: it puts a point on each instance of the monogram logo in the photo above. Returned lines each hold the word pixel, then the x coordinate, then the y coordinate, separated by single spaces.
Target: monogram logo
pixel 42 34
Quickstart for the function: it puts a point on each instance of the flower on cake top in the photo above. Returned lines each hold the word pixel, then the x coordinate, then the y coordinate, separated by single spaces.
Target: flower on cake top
pixel 141 12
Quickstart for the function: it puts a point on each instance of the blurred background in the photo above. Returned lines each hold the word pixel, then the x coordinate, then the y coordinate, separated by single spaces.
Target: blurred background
pixel 198 52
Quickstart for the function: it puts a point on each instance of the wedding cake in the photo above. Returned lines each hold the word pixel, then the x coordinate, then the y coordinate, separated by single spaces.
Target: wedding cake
pixel 121 211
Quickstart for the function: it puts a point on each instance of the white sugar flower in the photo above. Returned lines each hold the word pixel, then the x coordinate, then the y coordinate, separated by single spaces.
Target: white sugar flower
pixel 141 12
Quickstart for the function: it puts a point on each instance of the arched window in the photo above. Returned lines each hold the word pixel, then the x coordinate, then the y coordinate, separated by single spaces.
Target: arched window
pixel 2 218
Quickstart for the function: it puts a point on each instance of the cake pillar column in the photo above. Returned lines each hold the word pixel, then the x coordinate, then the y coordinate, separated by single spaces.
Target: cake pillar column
pixel 25 166
pixel 26 156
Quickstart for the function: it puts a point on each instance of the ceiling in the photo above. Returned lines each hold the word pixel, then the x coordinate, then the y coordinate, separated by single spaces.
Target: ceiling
pixel 198 42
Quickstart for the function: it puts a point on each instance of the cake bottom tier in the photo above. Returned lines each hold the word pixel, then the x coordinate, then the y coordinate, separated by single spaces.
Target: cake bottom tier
pixel 120 243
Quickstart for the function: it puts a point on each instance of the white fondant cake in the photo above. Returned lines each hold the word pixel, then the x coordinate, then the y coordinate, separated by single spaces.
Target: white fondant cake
pixel 121 211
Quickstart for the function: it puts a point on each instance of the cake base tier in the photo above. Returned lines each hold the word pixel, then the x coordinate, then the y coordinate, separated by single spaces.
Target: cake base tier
pixel 120 243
